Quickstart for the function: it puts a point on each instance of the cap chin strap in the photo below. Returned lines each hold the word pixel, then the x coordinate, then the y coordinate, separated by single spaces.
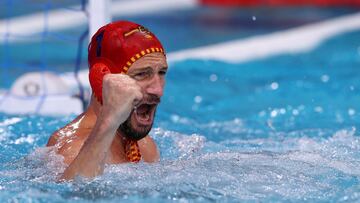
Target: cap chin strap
pixel 132 151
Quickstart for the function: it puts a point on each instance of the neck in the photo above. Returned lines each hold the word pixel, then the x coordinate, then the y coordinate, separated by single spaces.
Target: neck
pixel 94 106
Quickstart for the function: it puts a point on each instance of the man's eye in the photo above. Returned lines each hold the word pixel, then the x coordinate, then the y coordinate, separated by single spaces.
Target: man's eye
pixel 162 72
pixel 141 75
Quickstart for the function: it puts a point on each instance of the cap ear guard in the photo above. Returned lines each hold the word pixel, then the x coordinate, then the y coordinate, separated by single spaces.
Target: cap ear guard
pixel 96 76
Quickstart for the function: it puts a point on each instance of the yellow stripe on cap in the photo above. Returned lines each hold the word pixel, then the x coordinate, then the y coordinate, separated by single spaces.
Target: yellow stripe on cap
pixel 141 54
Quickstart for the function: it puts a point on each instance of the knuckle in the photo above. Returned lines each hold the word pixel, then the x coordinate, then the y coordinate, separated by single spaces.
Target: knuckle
pixel 108 79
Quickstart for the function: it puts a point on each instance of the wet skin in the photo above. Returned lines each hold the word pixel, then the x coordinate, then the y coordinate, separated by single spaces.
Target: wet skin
pixel 94 138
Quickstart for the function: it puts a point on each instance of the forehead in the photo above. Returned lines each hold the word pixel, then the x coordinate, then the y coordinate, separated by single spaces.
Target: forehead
pixel 150 60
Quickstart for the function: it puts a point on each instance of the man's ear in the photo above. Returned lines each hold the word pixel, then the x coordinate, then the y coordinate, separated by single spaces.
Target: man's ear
pixel 96 75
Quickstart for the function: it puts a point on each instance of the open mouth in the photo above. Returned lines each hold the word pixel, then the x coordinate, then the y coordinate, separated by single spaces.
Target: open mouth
pixel 144 113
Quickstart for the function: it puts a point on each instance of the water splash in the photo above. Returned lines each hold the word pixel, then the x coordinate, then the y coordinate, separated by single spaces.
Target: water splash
pixel 297 173
pixel 195 169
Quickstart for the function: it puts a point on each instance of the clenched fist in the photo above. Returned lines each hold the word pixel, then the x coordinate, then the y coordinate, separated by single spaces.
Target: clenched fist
pixel 120 95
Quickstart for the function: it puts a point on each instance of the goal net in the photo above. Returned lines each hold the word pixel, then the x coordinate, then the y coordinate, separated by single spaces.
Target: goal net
pixel 43 47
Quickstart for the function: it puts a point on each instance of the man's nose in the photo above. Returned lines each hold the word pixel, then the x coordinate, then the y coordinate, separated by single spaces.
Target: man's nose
pixel 156 86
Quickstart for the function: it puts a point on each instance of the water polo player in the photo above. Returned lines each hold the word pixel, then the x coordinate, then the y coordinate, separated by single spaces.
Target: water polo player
pixel 127 66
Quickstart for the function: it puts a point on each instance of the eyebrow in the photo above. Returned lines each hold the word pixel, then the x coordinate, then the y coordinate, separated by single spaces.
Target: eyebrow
pixel 142 69
pixel 149 67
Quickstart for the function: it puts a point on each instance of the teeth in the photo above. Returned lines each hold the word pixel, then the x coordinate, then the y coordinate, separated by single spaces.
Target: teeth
pixel 144 116
pixel 143 113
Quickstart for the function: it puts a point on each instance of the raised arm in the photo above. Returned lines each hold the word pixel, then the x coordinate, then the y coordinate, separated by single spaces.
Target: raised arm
pixel 120 95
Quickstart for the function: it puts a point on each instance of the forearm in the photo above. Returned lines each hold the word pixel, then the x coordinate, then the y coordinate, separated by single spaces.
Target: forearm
pixel 91 159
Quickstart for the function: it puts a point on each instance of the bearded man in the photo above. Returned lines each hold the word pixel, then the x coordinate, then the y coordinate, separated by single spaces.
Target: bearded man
pixel 127 68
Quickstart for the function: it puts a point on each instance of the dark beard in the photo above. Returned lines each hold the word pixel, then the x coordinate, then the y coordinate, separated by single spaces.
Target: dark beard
pixel 131 133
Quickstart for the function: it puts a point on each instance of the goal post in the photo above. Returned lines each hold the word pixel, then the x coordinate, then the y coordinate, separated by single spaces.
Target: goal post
pixel 99 14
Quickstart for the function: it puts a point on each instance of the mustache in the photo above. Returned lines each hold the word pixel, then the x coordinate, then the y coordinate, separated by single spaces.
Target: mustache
pixel 150 99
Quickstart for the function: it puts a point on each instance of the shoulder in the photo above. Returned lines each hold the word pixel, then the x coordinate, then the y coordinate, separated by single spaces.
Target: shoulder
pixel 69 139
pixel 149 149
pixel 68 142
pixel 61 135
pixel 64 132
pixel 53 139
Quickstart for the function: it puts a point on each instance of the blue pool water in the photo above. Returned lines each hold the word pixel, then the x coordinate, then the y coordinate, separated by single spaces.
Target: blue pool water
pixel 177 30
pixel 282 129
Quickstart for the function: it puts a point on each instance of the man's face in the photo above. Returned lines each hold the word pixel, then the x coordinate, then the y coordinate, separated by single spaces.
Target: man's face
pixel 149 72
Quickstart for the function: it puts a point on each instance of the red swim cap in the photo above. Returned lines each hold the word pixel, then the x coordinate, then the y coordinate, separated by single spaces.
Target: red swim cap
pixel 115 47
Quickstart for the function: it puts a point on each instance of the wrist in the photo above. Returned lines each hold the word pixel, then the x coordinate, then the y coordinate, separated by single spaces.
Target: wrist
pixel 108 120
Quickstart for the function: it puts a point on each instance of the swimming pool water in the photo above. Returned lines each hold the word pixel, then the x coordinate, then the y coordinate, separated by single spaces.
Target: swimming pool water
pixel 56 51
pixel 278 129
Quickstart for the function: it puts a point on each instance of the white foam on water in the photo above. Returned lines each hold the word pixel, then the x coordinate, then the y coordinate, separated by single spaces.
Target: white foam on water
pixel 196 169
pixel 296 174
pixel 41 165
pixel 10 121
pixel 233 126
